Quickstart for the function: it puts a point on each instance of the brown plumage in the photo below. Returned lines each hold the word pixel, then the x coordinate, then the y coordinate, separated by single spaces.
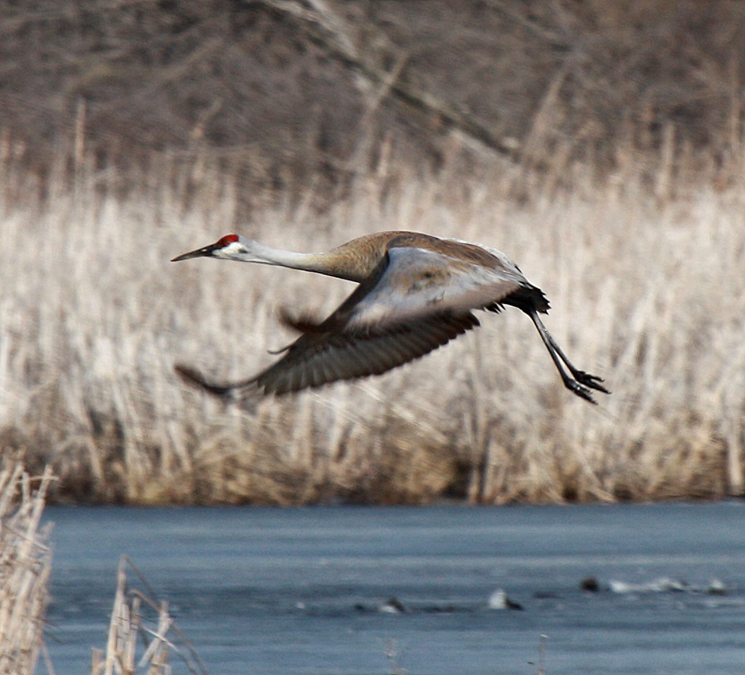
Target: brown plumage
pixel 416 293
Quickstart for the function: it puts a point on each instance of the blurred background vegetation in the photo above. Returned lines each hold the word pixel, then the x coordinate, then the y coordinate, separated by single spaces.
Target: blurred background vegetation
pixel 288 90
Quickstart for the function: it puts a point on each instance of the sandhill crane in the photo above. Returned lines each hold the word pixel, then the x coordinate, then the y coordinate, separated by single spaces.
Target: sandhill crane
pixel 416 292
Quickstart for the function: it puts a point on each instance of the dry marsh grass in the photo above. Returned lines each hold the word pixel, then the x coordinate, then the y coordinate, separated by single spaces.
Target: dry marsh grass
pixel 25 566
pixel 133 614
pixel 647 291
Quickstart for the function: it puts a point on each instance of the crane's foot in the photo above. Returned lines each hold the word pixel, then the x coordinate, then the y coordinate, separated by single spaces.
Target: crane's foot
pixel 580 389
pixel 582 385
pixel 592 381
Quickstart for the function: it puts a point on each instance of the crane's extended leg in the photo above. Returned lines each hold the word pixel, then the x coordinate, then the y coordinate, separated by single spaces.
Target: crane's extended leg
pixel 580 382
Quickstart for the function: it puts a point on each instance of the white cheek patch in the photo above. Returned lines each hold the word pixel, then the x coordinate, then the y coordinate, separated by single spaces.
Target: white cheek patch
pixel 229 251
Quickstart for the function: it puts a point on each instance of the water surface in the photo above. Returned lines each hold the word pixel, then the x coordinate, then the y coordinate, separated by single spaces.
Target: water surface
pixel 297 591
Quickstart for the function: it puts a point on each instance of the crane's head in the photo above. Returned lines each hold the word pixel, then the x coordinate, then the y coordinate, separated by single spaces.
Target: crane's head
pixel 229 247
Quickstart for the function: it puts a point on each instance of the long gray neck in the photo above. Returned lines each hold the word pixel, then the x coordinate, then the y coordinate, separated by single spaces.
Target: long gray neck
pixel 322 263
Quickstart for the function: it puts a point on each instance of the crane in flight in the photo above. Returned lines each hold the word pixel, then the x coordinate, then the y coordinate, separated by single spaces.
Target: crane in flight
pixel 416 292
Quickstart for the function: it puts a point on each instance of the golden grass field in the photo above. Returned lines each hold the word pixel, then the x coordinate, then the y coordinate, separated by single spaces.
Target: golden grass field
pixel 647 290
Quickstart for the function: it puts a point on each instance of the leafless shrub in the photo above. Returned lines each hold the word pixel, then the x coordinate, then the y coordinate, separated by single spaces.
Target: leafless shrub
pixel 285 92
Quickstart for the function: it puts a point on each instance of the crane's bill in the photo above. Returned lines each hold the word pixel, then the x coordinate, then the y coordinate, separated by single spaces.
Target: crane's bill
pixel 209 251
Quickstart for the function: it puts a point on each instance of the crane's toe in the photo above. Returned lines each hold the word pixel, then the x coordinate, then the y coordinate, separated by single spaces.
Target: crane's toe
pixel 592 381
pixel 580 389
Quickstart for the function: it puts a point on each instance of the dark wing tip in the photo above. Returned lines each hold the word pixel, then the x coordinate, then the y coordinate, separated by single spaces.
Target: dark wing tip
pixel 194 378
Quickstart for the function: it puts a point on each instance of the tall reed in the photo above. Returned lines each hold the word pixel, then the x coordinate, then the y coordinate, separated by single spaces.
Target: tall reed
pixel 129 624
pixel 646 289
pixel 25 566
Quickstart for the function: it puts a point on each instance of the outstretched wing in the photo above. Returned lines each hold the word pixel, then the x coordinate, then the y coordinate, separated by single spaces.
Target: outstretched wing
pixel 322 356
pixel 415 301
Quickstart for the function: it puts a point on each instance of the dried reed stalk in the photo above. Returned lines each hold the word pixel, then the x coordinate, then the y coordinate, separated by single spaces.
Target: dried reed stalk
pixel 129 621
pixel 636 280
pixel 25 566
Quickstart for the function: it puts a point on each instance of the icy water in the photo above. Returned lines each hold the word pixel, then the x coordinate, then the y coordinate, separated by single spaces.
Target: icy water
pixel 263 591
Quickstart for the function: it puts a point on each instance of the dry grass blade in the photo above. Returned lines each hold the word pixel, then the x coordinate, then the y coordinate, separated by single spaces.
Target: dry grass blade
pixel 89 339
pixel 132 611
pixel 25 566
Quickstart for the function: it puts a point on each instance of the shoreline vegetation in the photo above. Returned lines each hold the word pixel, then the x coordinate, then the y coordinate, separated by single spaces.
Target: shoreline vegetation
pixel 599 145
pixel 25 569
pixel 646 290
